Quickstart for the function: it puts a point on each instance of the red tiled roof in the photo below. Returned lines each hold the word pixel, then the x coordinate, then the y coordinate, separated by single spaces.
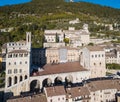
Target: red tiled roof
pixel 4 46
pixel 55 91
pixel 33 98
pixel 104 84
pixel 19 51
pixel 68 48
pixel 61 68
pixel 95 48
pixel 77 91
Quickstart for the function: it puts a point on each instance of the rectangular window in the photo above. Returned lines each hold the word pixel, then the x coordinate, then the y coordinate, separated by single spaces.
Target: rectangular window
pixel 99 55
pixel 9 63
pixel 15 70
pixel 95 55
pixel 14 63
pixel 20 70
pixel 102 55
pixel 20 55
pixel 25 55
pixel 9 71
pixel 25 62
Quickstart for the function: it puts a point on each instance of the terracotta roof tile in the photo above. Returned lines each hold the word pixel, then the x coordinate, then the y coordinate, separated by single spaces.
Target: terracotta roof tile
pixel 104 84
pixel 33 98
pixel 4 46
pixel 77 91
pixel 95 48
pixel 19 51
pixel 55 91
pixel 61 68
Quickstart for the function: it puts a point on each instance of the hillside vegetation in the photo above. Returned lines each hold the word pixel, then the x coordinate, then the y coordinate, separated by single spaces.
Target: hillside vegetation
pixel 43 7
pixel 38 15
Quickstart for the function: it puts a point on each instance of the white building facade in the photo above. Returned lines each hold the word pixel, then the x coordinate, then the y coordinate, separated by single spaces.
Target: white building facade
pixel 93 58
pixel 17 63
pixel 76 37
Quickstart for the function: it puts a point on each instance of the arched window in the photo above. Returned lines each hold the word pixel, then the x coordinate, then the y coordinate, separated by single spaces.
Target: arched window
pixel 56 61
pixel 20 78
pixel 53 61
pixel 25 76
pixel 15 80
pixel 25 62
pixel 20 62
pixel 9 81
pixel 14 63
pixel 9 63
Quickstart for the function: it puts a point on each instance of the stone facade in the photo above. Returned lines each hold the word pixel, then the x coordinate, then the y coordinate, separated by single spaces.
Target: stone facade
pixel 17 64
pixel 112 56
pixel 51 44
pixel 63 54
pixel 38 56
pixel 118 97
pixel 55 94
pixel 76 37
pixel 54 55
pixel 101 90
pixel 93 58
pixel 50 73
pixel 66 64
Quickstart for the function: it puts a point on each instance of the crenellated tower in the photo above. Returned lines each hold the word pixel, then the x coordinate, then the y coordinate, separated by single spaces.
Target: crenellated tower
pixel 17 65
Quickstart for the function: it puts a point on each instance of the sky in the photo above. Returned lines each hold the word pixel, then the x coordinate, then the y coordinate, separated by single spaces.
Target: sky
pixel 110 3
pixel 10 2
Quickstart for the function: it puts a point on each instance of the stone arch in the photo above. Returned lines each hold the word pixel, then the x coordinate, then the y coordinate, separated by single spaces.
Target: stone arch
pixel 35 86
pixel 53 61
pixel 21 78
pixel 58 81
pixel 9 81
pixel 15 80
pixel 26 76
pixel 56 61
pixel 69 80
pixel 47 82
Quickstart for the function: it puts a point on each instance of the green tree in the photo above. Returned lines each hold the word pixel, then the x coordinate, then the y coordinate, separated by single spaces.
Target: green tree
pixel 66 40
pixel 57 38
pixel 113 66
pixel 90 44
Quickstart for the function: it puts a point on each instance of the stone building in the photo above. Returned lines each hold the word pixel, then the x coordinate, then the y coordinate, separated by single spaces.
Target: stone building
pixel 55 94
pixel 62 55
pixel 78 94
pixel 118 97
pixel 64 65
pixel 100 90
pixel 17 64
pixel 58 74
pixel 29 98
pixel 38 56
pixel 53 44
pixel 76 37
pixel 93 58
pixel 112 55
pixel 44 56
pixel 74 21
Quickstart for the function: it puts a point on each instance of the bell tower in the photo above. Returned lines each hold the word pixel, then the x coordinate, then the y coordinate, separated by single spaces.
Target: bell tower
pixel 28 40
